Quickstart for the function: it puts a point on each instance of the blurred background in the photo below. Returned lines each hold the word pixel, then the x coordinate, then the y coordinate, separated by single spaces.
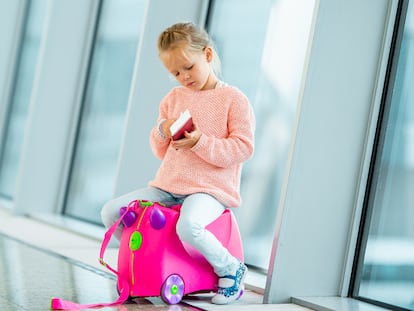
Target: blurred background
pixel 79 91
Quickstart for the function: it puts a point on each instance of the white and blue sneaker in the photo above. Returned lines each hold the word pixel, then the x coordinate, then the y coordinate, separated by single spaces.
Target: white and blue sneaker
pixel 230 287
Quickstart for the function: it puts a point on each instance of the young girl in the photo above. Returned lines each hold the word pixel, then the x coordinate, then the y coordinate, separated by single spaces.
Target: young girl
pixel 202 170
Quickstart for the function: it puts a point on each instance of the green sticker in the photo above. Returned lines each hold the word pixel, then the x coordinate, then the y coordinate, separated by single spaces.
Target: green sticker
pixel 146 203
pixel 135 241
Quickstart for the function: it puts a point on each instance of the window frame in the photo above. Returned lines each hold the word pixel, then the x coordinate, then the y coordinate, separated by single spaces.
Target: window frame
pixel 377 151
pixel 13 17
pixel 69 27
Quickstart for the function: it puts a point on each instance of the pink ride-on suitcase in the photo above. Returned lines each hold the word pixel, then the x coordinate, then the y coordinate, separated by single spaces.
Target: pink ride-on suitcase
pixel 157 263
pixel 152 261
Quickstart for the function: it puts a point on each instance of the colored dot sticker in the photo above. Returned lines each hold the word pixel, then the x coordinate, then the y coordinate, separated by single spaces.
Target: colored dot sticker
pixel 157 218
pixel 135 241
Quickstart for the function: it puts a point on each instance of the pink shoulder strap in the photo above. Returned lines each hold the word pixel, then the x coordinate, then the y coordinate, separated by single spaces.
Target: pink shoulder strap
pixel 60 304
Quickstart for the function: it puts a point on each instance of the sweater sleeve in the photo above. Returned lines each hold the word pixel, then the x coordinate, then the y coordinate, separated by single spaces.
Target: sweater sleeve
pixel 238 146
pixel 159 143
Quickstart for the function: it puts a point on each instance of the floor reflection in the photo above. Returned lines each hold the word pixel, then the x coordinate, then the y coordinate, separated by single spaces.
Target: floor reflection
pixel 29 277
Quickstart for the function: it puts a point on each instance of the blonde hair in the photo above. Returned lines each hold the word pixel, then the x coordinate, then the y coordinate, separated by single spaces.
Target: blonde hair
pixel 194 37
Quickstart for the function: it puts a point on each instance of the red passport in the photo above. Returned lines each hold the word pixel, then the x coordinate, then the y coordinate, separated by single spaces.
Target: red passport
pixel 184 123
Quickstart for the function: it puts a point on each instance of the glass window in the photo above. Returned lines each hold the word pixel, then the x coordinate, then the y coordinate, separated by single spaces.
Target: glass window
pixel 102 119
pixel 262 50
pixel 386 272
pixel 20 98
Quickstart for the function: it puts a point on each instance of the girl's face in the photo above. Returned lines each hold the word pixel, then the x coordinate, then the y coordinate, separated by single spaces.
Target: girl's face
pixel 191 69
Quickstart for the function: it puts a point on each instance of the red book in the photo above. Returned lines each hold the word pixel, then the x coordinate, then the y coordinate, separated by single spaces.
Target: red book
pixel 184 123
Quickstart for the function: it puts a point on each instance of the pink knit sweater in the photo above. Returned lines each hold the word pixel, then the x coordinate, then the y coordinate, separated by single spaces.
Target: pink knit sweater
pixel 214 164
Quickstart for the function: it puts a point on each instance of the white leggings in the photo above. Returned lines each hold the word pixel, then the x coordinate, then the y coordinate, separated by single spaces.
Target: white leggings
pixel 197 211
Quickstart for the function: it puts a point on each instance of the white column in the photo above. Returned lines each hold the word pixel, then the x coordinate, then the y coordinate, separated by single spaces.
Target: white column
pixel 319 209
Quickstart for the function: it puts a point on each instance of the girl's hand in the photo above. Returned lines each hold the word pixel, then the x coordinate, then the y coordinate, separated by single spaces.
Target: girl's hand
pixel 190 139
pixel 165 127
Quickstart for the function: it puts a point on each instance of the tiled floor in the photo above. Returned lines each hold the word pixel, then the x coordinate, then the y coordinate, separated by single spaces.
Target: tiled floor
pixel 38 261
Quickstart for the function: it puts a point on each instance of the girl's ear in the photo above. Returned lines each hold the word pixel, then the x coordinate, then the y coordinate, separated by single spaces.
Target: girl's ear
pixel 208 51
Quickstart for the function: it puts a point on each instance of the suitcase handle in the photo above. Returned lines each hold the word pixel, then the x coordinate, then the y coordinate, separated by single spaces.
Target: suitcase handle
pixel 60 304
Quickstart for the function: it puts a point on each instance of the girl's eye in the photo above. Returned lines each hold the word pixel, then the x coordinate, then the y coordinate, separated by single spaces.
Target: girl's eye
pixel 176 74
